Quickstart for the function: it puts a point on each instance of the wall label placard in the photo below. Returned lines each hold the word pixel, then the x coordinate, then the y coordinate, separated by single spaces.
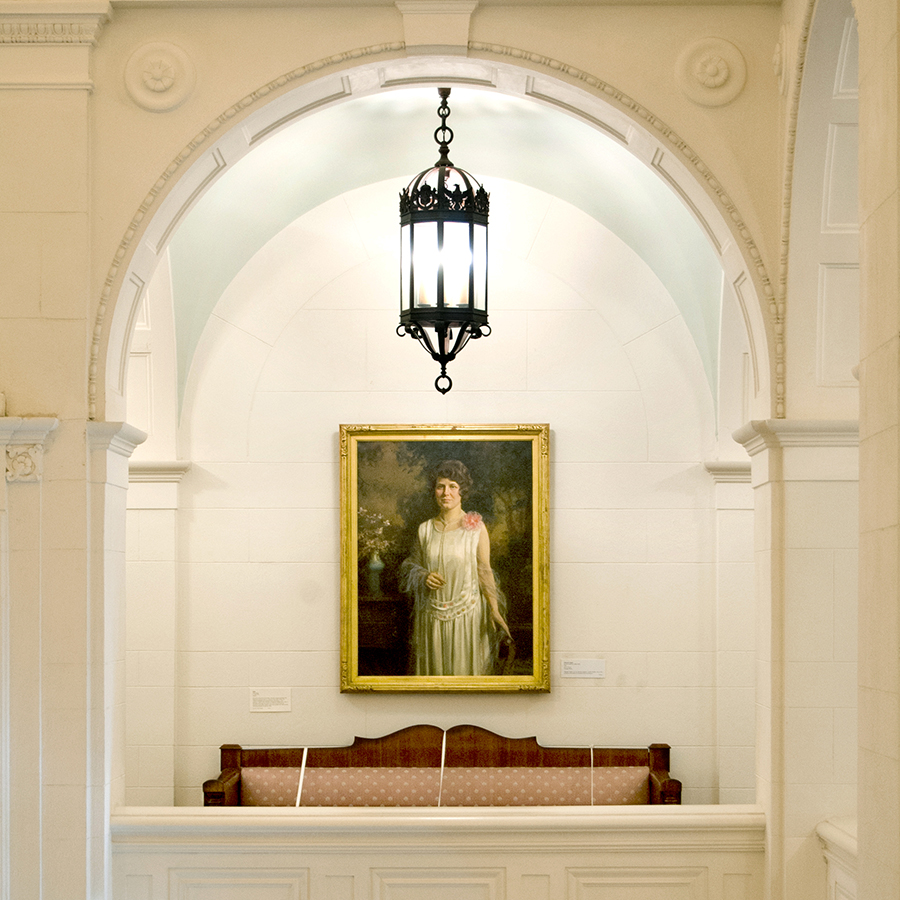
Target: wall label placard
pixel 583 668
pixel 270 700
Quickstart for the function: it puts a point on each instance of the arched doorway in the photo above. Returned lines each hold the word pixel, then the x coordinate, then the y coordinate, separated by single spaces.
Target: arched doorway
pixel 279 279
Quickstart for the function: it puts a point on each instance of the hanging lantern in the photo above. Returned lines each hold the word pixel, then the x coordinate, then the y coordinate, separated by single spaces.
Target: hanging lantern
pixel 443 256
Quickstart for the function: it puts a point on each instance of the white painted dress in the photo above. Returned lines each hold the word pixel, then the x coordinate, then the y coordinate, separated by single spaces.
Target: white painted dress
pixel 451 625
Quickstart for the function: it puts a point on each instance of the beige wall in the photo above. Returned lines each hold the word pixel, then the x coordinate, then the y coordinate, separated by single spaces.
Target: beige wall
pixel 879 772
pixel 86 169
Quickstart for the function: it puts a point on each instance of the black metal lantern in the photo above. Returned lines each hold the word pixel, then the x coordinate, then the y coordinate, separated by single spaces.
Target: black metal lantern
pixel 443 256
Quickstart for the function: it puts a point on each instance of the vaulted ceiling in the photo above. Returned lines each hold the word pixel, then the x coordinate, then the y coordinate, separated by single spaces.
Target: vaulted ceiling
pixel 387 136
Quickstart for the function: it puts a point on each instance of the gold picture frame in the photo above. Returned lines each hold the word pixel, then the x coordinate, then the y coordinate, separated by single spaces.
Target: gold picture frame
pixel 395 630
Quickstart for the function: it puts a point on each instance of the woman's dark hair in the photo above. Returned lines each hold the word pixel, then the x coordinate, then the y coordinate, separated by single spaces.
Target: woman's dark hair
pixel 455 471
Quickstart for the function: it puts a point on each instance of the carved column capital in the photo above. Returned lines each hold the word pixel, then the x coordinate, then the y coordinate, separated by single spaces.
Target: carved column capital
pixel 22 440
pixel 24 462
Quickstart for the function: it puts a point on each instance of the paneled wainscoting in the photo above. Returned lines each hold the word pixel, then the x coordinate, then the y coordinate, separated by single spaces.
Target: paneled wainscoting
pixel 600 853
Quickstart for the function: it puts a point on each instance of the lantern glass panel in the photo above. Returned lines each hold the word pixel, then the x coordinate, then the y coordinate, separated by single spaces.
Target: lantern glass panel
pixel 405 262
pixel 456 259
pixel 426 260
pixel 479 262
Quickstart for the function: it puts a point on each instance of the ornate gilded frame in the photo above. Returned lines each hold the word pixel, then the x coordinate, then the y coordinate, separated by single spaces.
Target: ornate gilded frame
pixel 385 494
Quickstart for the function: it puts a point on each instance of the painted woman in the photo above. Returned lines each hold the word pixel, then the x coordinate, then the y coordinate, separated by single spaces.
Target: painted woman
pixel 457 614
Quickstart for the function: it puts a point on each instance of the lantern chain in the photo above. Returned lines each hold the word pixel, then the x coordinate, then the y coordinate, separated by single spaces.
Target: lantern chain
pixel 443 134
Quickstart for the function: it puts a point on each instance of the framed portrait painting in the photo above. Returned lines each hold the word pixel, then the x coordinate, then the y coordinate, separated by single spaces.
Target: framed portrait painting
pixel 445 558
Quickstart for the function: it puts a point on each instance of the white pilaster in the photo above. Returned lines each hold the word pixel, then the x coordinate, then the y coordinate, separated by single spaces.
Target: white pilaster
pixel 21 451
pixel 805 480
pixel 61 565
pixel 151 615
pixel 735 619
pixel 109 445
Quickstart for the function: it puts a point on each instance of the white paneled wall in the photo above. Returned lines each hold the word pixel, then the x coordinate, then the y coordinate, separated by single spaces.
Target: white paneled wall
pixel 650 558
pixel 408 854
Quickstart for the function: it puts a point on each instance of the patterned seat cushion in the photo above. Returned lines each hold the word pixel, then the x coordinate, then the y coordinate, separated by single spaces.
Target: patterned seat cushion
pixel 614 785
pixel 269 785
pixel 371 786
pixel 516 786
pixel 462 786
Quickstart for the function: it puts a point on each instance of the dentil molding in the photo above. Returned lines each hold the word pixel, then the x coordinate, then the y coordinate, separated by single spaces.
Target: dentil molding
pixel 75 22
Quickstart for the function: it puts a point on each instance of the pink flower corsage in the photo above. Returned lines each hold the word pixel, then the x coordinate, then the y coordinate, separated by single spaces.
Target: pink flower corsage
pixel 471 521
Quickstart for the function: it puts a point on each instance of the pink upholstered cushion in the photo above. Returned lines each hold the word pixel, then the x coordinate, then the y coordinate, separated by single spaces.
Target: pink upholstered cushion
pixel 462 786
pixel 516 786
pixel 370 786
pixel 269 785
pixel 614 785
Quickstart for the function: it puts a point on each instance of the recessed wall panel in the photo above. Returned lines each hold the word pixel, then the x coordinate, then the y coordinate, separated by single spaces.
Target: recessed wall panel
pixel 140 392
pixel 339 887
pixel 838 324
pixel 238 884
pixel 638 884
pixel 846 84
pixel 138 887
pixel 841 194
pixel 438 884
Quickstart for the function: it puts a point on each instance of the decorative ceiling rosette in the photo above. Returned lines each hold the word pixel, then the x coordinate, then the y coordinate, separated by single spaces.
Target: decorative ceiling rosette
pixel 159 76
pixel 711 72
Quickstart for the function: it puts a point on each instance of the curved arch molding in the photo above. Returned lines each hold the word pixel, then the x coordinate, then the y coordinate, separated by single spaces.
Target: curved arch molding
pixel 294 94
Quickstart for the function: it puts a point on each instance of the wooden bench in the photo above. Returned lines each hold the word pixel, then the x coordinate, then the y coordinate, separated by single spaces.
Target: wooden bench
pixel 426 766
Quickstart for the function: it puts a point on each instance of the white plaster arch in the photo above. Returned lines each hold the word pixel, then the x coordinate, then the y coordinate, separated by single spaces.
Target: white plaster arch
pixel 202 162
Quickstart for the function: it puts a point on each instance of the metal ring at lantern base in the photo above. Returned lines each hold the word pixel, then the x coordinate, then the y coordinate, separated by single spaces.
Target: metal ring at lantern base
pixel 438 385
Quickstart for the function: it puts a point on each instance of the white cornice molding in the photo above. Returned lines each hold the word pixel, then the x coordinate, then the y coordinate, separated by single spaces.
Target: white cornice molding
pixel 726 471
pixel 762 434
pixel 140 472
pixel 119 437
pixel 49 23
pixel 675 828
pixel 25 430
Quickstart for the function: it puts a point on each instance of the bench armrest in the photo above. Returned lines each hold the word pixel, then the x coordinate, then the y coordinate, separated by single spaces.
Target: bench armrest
pixel 664 789
pixel 224 790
